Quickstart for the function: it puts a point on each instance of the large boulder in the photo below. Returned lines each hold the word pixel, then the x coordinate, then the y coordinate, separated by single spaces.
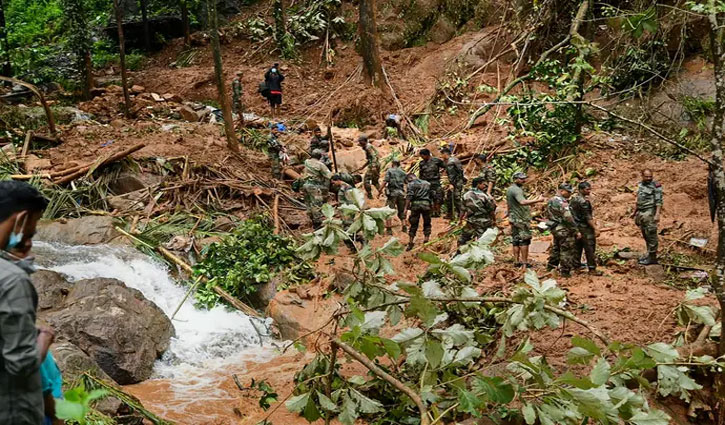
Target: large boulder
pixel 89 230
pixel 123 332
pixel 52 289
pixel 73 363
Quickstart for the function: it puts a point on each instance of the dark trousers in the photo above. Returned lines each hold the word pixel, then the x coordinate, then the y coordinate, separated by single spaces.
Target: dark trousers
pixel 416 212
pixel 588 244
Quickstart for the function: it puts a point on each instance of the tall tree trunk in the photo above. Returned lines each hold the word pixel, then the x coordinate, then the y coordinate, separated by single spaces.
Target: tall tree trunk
pixel 369 44
pixel 717 168
pixel 185 22
pixel 80 41
pixel 279 25
pixel 7 69
pixel 146 31
pixel 219 72
pixel 122 58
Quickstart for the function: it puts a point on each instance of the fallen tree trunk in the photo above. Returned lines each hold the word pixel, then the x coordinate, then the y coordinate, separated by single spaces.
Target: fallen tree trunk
pixel 83 170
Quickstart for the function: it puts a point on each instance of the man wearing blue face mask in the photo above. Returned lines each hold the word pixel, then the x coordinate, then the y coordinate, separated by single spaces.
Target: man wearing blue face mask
pixel 22 345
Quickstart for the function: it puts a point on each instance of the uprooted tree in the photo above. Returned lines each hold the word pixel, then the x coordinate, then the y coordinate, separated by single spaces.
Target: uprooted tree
pixel 453 360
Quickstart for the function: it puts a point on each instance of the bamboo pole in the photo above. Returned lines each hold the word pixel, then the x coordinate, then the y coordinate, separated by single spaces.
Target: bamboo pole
pixel 46 108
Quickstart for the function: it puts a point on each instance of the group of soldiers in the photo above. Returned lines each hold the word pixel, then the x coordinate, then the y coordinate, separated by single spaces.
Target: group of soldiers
pixel 419 197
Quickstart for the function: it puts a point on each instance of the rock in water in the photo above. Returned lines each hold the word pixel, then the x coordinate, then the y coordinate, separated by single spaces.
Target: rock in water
pixel 89 230
pixel 122 331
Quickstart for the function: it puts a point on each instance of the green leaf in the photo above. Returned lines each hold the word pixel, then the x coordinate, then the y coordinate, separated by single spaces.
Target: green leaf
pixel 455 334
pixel 366 405
pixel 586 344
pixel 328 211
pixel 407 335
pixel 434 353
pixel 662 353
pixel 461 273
pixel 349 413
pixel 430 258
pixel 700 314
pixel 326 403
pixel 600 372
pixel 424 309
pixel 653 417
pixel 579 355
pixel 311 413
pixel 356 380
pixel 469 403
pixel 298 403
pixel 672 380
pixel 695 294
pixel 495 388
pixel 529 414
pixel 593 403
pixel 392 348
pixel 69 410
pixel 374 320
pixel 432 288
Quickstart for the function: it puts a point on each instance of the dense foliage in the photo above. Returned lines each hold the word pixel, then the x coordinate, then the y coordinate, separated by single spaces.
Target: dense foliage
pixel 451 358
pixel 246 259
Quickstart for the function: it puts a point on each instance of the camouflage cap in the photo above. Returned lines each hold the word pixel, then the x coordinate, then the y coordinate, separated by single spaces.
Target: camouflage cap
pixel 521 176
pixel 566 186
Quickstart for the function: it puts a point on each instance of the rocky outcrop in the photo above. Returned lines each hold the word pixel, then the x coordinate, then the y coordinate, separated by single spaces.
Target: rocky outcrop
pixel 88 230
pixel 295 315
pixel 73 363
pixel 116 326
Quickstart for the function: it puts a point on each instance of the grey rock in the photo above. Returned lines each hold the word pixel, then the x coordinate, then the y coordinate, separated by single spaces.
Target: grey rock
pixel 123 332
pixel 89 230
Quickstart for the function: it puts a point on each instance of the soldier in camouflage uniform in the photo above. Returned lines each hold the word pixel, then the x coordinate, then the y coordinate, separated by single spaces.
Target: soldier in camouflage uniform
pixel 647 214
pixel 394 182
pixel 372 175
pixel 430 170
pixel 457 181
pixel 479 211
pixel 519 214
pixel 565 232
pixel 417 201
pixel 316 186
pixel 275 149
pixel 488 172
pixel 581 210
pixel 237 94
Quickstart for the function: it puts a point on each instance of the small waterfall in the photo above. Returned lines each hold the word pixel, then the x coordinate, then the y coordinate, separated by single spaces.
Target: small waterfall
pixel 204 338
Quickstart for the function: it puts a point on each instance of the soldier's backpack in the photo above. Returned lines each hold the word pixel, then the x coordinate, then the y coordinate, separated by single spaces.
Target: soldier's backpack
pixel 263 89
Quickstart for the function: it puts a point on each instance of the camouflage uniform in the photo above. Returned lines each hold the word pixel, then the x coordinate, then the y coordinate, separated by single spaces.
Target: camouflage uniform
pixel 581 211
pixel 419 192
pixel 430 172
pixel 372 175
pixel 316 189
pixel 564 230
pixel 649 197
pixel 454 170
pixel 237 96
pixel 488 172
pixel 319 143
pixel 519 216
pixel 480 208
pixel 395 191
pixel 274 148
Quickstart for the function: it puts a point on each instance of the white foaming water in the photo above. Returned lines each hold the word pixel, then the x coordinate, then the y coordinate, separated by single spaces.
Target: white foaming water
pixel 204 338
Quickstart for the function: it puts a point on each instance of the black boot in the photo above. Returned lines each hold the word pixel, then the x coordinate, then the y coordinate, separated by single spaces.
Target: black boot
pixel 648 260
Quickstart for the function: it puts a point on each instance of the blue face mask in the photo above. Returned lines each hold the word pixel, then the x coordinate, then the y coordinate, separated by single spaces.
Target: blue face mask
pixel 16 237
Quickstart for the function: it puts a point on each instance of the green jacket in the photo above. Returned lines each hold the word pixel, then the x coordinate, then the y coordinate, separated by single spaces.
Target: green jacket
pixel 21 397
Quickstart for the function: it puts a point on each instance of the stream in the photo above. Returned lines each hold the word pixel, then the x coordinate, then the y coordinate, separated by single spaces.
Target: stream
pixel 209 344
